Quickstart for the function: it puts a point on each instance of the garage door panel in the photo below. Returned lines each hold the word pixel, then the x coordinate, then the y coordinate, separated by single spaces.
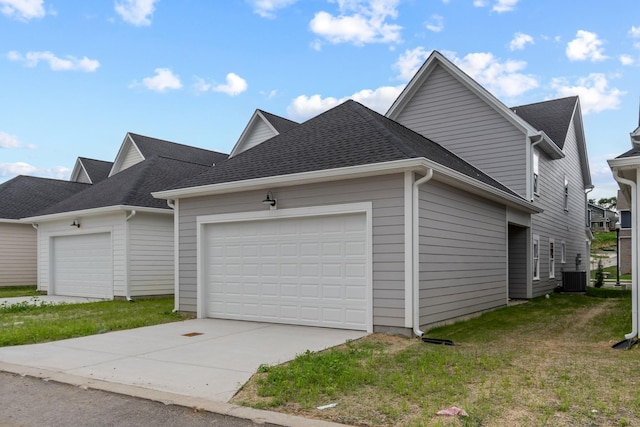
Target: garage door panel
pixel 82 265
pixel 309 271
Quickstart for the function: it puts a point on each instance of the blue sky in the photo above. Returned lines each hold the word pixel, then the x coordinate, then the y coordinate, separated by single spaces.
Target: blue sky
pixel 76 76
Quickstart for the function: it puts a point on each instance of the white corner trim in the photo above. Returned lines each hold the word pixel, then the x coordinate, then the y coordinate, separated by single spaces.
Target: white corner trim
pixel 408 249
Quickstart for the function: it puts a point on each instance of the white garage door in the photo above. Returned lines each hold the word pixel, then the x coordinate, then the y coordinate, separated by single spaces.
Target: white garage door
pixel 82 266
pixel 304 271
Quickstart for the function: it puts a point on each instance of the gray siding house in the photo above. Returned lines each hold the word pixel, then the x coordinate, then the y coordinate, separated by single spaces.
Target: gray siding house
pixel 113 239
pixel 24 196
pixel 349 220
pixel 536 150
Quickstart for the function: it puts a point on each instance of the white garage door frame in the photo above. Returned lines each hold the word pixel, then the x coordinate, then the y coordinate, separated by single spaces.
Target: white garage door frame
pixel 272 214
pixel 51 272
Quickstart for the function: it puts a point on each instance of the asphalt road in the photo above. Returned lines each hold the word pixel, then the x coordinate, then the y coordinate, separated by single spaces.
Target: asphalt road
pixel 32 402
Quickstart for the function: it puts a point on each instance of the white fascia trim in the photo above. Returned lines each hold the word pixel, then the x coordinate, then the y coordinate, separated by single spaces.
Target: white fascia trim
pixel 92 212
pixel 11 221
pixel 326 175
pixel 351 172
pixel 547 145
pixel 625 162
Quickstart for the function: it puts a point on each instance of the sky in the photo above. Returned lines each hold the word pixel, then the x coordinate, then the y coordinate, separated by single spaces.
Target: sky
pixel 76 76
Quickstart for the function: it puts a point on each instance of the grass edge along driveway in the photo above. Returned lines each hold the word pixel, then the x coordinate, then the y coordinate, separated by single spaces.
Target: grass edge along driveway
pixel 548 362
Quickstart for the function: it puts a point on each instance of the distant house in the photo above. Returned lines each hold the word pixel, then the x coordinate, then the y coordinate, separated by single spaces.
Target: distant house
pixel 90 171
pixel 448 206
pixel 624 211
pixel 21 197
pixel 113 239
pixel 602 219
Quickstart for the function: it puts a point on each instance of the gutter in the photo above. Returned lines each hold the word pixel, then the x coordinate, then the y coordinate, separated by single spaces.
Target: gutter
pixel 634 252
pixel 415 233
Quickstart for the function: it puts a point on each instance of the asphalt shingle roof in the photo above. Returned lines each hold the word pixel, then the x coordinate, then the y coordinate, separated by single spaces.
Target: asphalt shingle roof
pixel 24 196
pixel 347 135
pixel 152 146
pixel 553 117
pixel 634 152
pixel 280 123
pixel 96 169
pixel 131 187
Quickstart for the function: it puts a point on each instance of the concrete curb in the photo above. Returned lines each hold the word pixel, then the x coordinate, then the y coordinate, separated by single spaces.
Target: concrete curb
pixel 257 416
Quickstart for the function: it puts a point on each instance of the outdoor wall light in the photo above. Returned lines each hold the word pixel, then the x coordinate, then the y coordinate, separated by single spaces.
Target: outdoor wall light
pixel 75 223
pixel 270 200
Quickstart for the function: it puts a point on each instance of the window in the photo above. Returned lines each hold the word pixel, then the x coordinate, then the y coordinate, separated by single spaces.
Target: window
pixel 563 252
pixel 625 219
pixel 552 259
pixel 536 159
pixel 536 257
pixel 566 193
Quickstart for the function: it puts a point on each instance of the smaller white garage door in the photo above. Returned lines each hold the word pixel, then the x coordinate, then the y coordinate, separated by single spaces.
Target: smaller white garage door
pixel 82 265
pixel 305 271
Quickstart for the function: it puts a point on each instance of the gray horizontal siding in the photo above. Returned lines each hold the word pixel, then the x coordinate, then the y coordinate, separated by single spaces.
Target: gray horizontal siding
pixel 18 265
pixel 387 196
pixel 151 263
pixel 447 112
pixel 555 222
pixel 463 256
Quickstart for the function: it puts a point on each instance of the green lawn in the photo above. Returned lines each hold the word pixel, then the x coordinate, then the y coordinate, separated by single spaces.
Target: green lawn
pixel 18 291
pixel 547 362
pixel 26 324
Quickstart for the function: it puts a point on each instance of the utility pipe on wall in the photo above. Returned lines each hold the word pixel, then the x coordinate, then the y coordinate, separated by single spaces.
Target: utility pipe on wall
pixel 127 291
pixel 634 250
pixel 416 251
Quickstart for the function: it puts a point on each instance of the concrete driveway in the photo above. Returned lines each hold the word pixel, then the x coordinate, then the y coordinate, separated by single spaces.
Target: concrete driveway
pixel 205 360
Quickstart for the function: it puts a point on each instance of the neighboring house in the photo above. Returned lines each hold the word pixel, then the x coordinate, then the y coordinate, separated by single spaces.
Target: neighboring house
pixel 341 222
pixel 602 219
pixel 90 171
pixel 261 127
pixel 623 206
pixel 113 239
pixel 537 150
pixel 626 171
pixel 352 220
pixel 23 196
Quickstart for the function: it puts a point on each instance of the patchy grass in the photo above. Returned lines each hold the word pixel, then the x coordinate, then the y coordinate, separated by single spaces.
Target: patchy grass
pixel 548 362
pixel 604 241
pixel 25 324
pixel 612 274
pixel 18 291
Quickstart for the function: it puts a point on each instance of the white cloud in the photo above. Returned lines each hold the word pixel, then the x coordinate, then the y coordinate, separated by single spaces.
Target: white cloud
pixel 22 10
pixel 136 12
pixel 436 24
pixel 267 8
pixel 519 41
pixel 70 63
pixel 21 168
pixel 304 107
pixel 410 61
pixel 359 22
pixel 586 46
pixel 9 141
pixel 634 32
pixel 163 80
pixel 500 78
pixel 234 85
pixel 504 5
pixel 499 5
pixel 593 90
pixel 626 60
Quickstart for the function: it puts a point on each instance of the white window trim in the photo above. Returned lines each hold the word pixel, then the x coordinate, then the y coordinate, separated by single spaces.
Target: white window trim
pixel 536 257
pixel 563 252
pixel 552 258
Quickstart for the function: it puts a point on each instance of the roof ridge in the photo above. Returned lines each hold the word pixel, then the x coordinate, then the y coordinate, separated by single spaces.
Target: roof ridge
pixel 175 143
pixel 543 102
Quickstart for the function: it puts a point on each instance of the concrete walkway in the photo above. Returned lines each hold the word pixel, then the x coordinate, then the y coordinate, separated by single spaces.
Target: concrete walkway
pixel 200 362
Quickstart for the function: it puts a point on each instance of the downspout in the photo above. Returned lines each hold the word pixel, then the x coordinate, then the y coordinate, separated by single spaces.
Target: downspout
pixel 127 291
pixel 588 224
pixel 34 225
pixel 416 251
pixel 176 256
pixel 634 253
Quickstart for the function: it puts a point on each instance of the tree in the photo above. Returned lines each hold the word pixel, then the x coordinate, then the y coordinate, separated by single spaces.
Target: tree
pixel 592 201
pixel 608 202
